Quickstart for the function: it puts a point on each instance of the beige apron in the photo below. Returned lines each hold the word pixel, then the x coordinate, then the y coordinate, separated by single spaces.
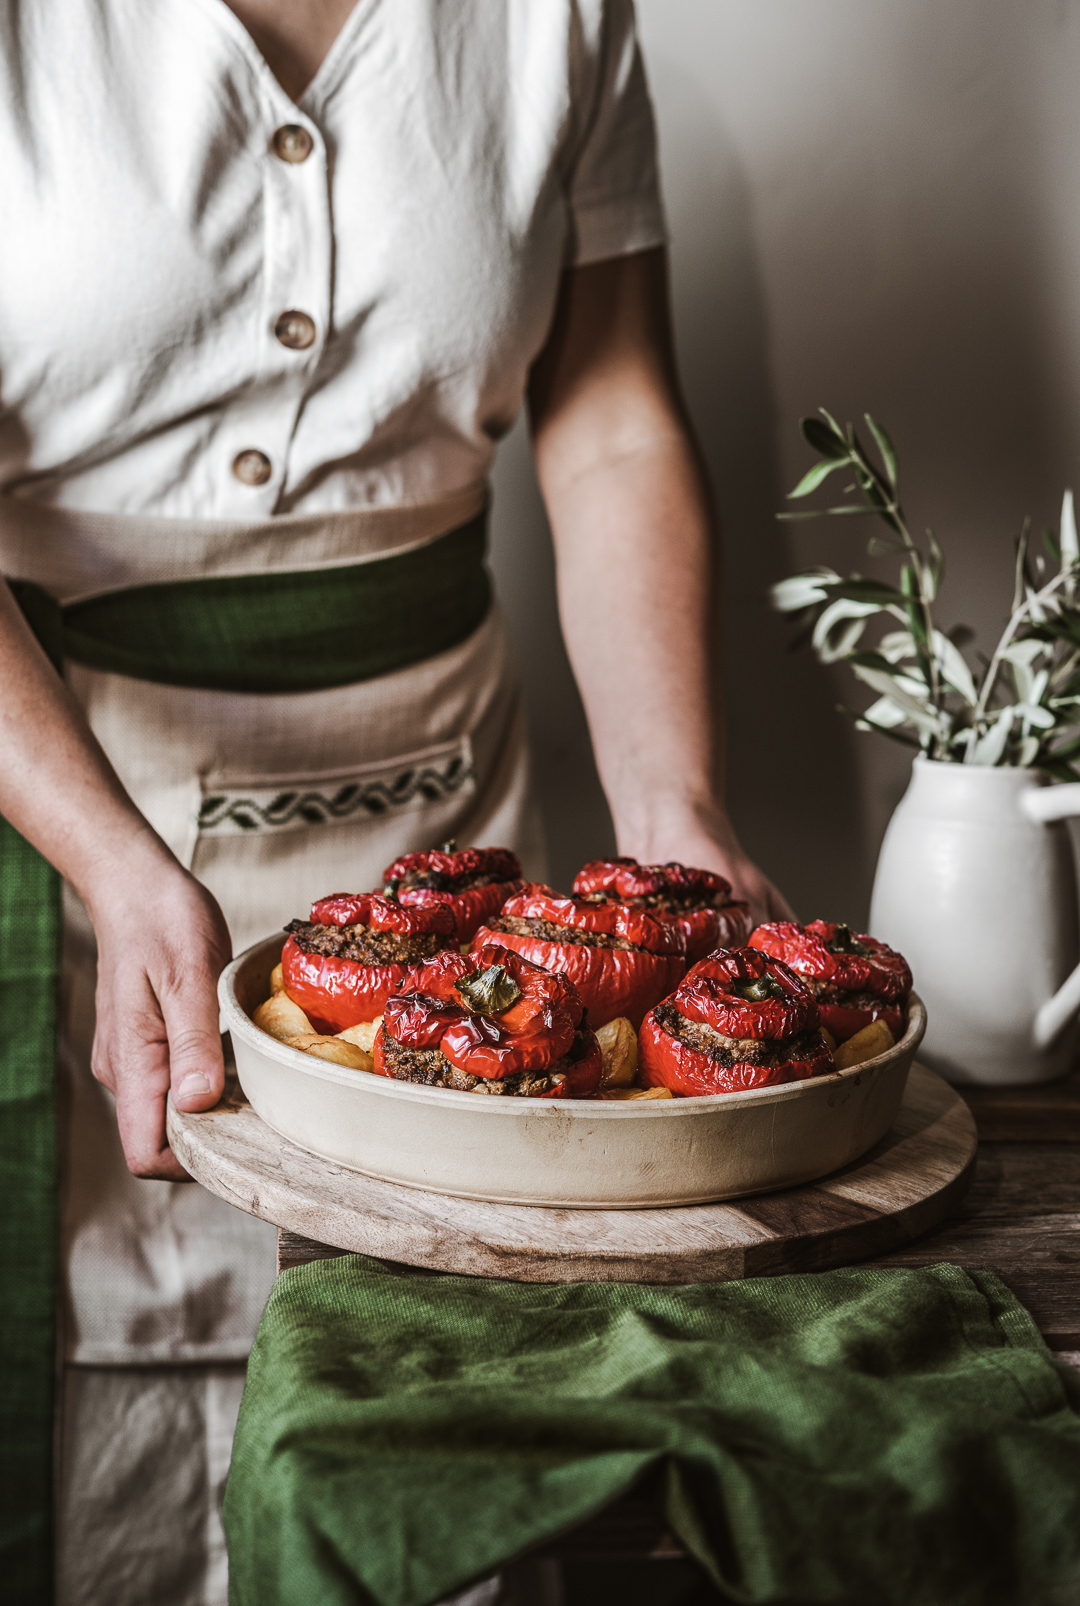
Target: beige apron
pixel 271 800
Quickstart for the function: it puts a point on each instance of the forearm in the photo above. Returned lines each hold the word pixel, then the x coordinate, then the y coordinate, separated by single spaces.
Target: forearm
pixel 633 538
pixel 56 786
pixel 633 541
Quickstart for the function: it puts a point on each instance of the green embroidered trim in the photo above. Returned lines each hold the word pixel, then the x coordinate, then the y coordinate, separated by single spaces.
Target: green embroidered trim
pixel 428 783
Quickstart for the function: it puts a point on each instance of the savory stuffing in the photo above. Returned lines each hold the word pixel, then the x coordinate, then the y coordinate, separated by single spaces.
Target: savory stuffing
pixel 431 1068
pixel 736 1051
pixel 365 946
pixel 521 926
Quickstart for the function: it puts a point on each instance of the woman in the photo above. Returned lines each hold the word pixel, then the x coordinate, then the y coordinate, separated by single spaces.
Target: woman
pixel 277 277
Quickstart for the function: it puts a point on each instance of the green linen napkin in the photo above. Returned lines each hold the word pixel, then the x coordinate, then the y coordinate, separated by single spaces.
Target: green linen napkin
pixel 848 1437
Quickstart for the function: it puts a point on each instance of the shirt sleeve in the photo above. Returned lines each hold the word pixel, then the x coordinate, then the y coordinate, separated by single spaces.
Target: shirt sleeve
pixel 613 192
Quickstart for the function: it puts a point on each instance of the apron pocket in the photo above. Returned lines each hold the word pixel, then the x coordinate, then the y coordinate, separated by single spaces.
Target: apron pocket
pixel 299 804
pixel 268 849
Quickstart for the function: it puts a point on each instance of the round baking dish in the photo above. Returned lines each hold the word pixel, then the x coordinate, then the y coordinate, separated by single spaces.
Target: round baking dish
pixel 579 1154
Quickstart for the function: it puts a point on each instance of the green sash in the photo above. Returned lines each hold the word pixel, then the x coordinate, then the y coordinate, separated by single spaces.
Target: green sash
pixel 296 632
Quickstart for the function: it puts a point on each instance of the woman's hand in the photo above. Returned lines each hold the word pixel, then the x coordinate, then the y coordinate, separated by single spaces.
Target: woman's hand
pixel 162 943
pixel 707 841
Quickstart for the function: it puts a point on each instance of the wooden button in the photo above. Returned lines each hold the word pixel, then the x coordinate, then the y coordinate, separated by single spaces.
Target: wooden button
pixel 295 330
pixel 252 467
pixel 292 143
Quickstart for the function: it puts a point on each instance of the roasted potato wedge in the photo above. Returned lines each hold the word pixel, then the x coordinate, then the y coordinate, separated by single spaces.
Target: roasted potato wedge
pixel 873 1040
pixel 363 1035
pixel 277 981
pixel 282 1019
pixel 619 1051
pixel 636 1093
pixel 335 1049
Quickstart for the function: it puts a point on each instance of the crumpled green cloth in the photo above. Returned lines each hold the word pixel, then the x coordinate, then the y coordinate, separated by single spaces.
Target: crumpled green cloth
pixel 900 1437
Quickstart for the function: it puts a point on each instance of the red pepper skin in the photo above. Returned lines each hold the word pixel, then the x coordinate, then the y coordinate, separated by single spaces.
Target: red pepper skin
pixel 609 981
pixel 378 1053
pixel 419 1020
pixel 806 949
pixel 371 909
pixel 473 907
pixel 666 1061
pixel 583 1077
pixel 711 993
pixel 879 970
pixel 639 926
pixel 843 1022
pixel 529 1036
pixel 336 993
pixel 710 919
pixel 498 863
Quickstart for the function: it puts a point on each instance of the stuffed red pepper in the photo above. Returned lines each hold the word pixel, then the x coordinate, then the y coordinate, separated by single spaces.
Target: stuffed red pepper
pixel 697 901
pixel 621 959
pixel 475 882
pixel 342 964
pixel 489 1023
pixel 854 978
pixel 738 1019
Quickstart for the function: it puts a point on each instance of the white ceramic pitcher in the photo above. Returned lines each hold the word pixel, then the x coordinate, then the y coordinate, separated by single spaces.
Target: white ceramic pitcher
pixel 976 886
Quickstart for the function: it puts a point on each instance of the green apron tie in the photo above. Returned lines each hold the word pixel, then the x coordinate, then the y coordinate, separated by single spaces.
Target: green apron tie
pixel 303 631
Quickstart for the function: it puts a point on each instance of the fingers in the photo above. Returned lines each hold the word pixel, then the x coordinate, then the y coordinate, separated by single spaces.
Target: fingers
pixel 779 908
pixel 131 1057
pixel 157 1018
pixel 196 1063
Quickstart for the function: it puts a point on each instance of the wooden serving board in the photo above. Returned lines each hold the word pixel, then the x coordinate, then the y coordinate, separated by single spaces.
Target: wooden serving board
pixel 902 1187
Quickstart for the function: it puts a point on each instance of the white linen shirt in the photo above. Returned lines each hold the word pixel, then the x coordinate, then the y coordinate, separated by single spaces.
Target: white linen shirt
pixel 462 152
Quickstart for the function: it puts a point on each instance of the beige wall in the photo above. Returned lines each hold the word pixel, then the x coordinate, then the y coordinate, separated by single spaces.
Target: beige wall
pixel 875 204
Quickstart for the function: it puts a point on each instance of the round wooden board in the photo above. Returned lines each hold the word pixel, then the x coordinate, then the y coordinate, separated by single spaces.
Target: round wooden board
pixel 901 1188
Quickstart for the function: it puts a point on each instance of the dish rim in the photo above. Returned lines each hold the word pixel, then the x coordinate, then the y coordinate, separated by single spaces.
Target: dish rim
pixel 237 1018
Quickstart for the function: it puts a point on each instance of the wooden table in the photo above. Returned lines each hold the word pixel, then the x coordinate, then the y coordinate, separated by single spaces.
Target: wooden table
pixel 1021 1215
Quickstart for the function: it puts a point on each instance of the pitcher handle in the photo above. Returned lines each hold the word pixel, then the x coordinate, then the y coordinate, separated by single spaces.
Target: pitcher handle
pixel 1044 804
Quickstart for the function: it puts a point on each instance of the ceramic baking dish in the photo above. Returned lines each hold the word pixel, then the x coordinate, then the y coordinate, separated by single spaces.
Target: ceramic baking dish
pixel 579 1154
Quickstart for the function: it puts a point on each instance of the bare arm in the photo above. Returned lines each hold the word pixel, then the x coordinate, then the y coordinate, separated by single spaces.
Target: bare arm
pixel 630 518
pixel 161 937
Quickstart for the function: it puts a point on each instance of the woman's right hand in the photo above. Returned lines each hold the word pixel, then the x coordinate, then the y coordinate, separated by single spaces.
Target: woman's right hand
pixel 162 943
pixel 162 940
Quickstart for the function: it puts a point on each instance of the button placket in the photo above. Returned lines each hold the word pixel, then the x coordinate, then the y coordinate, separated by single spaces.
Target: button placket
pixel 295 315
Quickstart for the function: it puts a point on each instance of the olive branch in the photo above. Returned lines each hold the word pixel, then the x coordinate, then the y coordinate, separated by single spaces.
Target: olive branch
pixel 1024 707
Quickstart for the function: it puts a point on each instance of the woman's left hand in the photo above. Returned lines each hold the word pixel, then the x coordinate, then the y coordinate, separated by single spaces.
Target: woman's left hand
pixel 711 844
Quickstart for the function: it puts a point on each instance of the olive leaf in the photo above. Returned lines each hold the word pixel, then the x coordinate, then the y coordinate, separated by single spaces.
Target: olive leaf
pixel 490 991
pixel 885 447
pixel 801 590
pixel 827 439
pixel 813 478
pixel 1070 548
pixel 1023 705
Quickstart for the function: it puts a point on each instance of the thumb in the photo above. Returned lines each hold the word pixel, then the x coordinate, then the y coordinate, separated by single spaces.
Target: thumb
pixel 196 1061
